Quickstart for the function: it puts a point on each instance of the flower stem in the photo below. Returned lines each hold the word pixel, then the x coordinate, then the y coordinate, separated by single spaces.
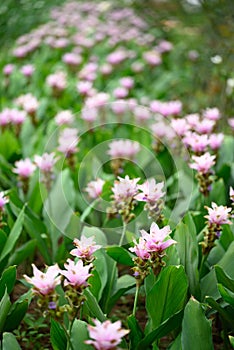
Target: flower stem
pixel 136 300
pixel 123 233
pixel 68 336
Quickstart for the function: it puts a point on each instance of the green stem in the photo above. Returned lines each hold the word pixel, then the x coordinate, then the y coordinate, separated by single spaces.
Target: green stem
pixel 136 300
pixel 123 233
pixel 67 333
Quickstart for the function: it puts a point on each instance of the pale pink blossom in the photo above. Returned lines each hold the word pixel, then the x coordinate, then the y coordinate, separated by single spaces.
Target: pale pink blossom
pixel 150 191
pixel 57 80
pixel 3 200
pixel 8 69
pixel 141 113
pixel 212 113
pixel 84 87
pixel 180 126
pixel 106 335
pixel 28 102
pixel 94 188
pixel 164 46
pixel 106 69
pixel 123 149
pixel 156 239
pixel 5 117
pixel 45 162
pixel 218 215
pixel 72 59
pixel 140 249
pixel 44 282
pixel 215 141
pixel 204 126
pixel 119 107
pixel 203 163
pixel 27 70
pixel 125 188
pixel 116 57
pixel 197 143
pixel 231 194
pixel 24 168
pixel 17 117
pixel 231 122
pixel 120 92
pixel 166 108
pixel 68 141
pixel 137 67
pixel 76 274
pixel 153 58
pixel 64 117
pixel 193 119
pixel 127 82
pixel 85 247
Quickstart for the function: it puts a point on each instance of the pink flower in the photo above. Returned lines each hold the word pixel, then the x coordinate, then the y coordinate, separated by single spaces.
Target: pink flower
pixel 106 335
pixel 64 118
pixel 166 108
pixel 27 70
pixel 76 273
pixel 89 114
pixel 218 215
pixel 72 59
pixel 116 57
pixel 140 249
pixel 197 143
pixel 203 163
pixel 125 188
pixel 45 162
pixel 155 240
pixel 215 141
pixel 193 119
pixel 205 126
pixel 180 126
pixel 212 113
pixel 127 82
pixel 153 58
pixel 119 107
pixel 5 117
pixel 8 69
pixel 151 192
pixel 28 102
pixel 68 141
pixel 94 188
pixel 164 46
pixel 85 247
pixel 84 87
pixel 24 168
pixel 141 113
pixel 57 80
pixel 120 92
pixel 231 122
pixel 44 282
pixel 3 200
pixel 231 194
pixel 17 117
pixel 123 149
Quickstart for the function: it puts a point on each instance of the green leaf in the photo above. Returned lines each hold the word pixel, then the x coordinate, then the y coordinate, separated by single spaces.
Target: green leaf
pixel 218 193
pixel 123 284
pixel 166 327
pixel 57 336
pixel 5 306
pixel 168 295
pixel 79 334
pixel 3 239
pixel 7 280
pixel 23 252
pixel 15 315
pixel 99 236
pixel 14 235
pixel 224 279
pixel 9 144
pixel 9 342
pixel 196 328
pixel 93 306
pixel 226 295
pixel 225 315
pixel 176 344
pixel 188 251
pixel 136 333
pixel 121 255
pixel 88 210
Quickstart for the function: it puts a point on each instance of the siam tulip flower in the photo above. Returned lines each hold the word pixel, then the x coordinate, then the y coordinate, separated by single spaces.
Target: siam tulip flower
pixel 231 194
pixel 127 82
pixel 151 192
pixel 215 141
pixel 120 92
pixel 123 149
pixel 155 240
pixel 24 168
pixel 166 108
pixel 125 188
pixel 64 118
pixel 94 188
pixel 106 69
pixel 106 335
pixel 45 162
pixel 197 143
pixel 72 59
pixel 164 46
pixel 116 57
pixel 193 120
pixel 27 70
pixel 153 58
pixel 44 283
pixel 218 215
pixel 140 249
pixel 57 81
pixel 205 126
pixel 29 103
pixel 180 126
pixel 5 117
pixel 137 67
pixel 85 247
pixel 8 69
pixel 17 117
pixel 141 113
pixel 119 107
pixel 231 123
pixel 68 141
pixel 3 201
pixel 203 163
pixel 76 274
pixel 84 88
pixel 212 114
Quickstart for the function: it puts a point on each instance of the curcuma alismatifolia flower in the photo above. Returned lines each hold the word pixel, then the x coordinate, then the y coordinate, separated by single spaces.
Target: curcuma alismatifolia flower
pixel 3 201
pixel 44 283
pixel 94 188
pixel 46 163
pixel 150 251
pixel 24 168
pixel 106 335
pixel 76 274
pixel 85 247
pixel 217 216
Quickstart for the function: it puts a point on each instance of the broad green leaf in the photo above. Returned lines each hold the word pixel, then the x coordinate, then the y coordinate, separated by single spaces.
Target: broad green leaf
pixel 176 344
pixel 136 333
pixel 218 193
pixel 227 316
pixel 23 252
pixel 123 284
pixel 15 315
pixel 224 279
pixel 188 251
pixel 196 328
pixel 13 236
pixel 57 336
pixel 3 239
pixel 226 295
pixel 120 255
pixel 88 210
pixel 95 284
pixel 7 280
pixel 110 283
pixel 166 327
pixel 79 334
pixel 93 306
pixel 167 296
pixel 9 342
pixel 5 306
pixel 8 144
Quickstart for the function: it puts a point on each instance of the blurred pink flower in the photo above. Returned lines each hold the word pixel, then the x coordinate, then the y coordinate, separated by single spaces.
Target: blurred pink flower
pixel 193 119
pixel 84 87
pixel 28 102
pixel 24 168
pixel 215 141
pixel 5 117
pixel 231 194
pixel 141 113
pixel 166 108
pixel 94 188
pixel 76 274
pixel 153 58
pixel 45 162
pixel 106 335
pixel 3 200
pixel 212 113
pixel 17 117
pixel 127 82
pixel 85 247
pixel 204 126
pixel 120 92
pixel 197 143
pixel 68 141
pixel 123 149
pixel 231 122
pixel 218 215
pixel 64 117
pixel 8 69
pixel 27 70
pixel 72 59
pixel 125 188
pixel 44 282
pixel 180 126
pixel 151 192
pixel 57 80
pixel 203 163
pixel 164 46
